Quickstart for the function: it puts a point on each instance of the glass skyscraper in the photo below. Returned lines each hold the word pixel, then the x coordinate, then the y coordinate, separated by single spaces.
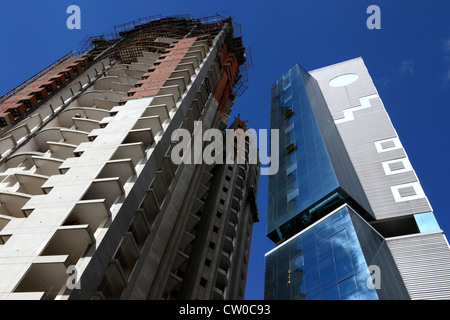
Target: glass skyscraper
pixel 346 210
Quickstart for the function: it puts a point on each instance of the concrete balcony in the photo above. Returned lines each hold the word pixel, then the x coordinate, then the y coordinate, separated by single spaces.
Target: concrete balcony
pixel 150 122
pixel 74 137
pixel 121 87
pixel 125 70
pixel 47 166
pixel 127 79
pixel 71 240
pixel 39 141
pixel 149 61
pixel 4 220
pixel 200 48
pixel 177 81
pixel 11 203
pixel 110 189
pixel 30 183
pixel 174 90
pixel 105 83
pixel 86 125
pixel 134 151
pixel 182 73
pixel 89 212
pixel 106 104
pixel 45 277
pixel 61 150
pixel 65 118
pixel 199 54
pixel 88 99
pixel 151 55
pixel 189 66
pixel 157 110
pixel 167 99
pixel 191 59
pixel 140 66
pixel 203 43
pixel 122 168
pixel 140 135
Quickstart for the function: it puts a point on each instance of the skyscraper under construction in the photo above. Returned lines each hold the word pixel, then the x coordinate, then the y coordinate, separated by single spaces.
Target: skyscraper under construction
pixel 92 207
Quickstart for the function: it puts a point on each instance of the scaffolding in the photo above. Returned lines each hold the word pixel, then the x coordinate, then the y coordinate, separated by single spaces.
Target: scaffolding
pixel 131 39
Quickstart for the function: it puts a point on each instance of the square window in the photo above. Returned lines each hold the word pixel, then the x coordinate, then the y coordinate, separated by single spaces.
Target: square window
pixel 396 166
pixel 387 144
pixel 407 191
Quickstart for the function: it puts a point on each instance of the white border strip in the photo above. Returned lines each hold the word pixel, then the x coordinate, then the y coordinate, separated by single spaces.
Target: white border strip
pixel 406 166
pixel 417 188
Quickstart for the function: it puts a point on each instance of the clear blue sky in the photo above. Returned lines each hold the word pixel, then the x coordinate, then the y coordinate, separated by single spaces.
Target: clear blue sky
pixel 408 59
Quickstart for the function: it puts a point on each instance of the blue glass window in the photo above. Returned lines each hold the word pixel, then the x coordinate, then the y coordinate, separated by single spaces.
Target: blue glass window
pixel 314 175
pixel 292 194
pixel 330 260
pixel 426 222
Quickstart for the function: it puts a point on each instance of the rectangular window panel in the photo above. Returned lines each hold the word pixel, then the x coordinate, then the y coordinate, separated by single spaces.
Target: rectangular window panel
pixel 291 168
pixel 292 194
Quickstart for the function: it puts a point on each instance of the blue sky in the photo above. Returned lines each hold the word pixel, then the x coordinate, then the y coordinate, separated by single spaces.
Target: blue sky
pixel 408 59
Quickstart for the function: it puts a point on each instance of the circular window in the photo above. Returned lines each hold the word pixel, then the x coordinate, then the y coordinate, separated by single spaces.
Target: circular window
pixel 343 80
